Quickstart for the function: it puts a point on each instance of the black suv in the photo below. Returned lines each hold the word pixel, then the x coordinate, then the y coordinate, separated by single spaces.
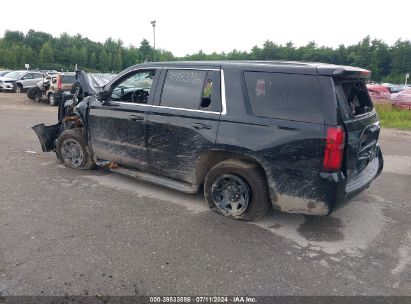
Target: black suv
pixel 301 137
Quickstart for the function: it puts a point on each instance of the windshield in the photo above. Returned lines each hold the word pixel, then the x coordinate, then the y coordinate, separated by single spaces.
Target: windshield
pixel 140 80
pixel 15 74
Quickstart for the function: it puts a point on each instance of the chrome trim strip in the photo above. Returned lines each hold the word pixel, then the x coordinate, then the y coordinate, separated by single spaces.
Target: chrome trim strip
pixel 195 69
pixel 131 104
pixel 190 110
pixel 223 97
pixel 164 107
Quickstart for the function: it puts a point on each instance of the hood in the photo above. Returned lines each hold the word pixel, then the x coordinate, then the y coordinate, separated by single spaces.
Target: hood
pixel 7 79
pixel 91 83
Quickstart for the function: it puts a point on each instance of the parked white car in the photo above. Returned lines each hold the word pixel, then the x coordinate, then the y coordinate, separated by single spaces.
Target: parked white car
pixel 27 81
pixel 8 80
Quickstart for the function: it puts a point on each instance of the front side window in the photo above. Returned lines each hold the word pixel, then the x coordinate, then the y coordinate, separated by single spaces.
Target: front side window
pixel 183 89
pixel 284 96
pixel 134 88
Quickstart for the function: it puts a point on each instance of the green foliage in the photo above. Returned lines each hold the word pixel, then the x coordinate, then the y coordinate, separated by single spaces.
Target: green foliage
pixel 117 61
pixel 387 63
pixel 104 61
pixel 41 50
pixel 46 55
pixel 393 118
pixel 145 51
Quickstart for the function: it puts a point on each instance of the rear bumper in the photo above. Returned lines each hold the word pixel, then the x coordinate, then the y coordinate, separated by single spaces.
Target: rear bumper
pixel 362 181
pixel 319 193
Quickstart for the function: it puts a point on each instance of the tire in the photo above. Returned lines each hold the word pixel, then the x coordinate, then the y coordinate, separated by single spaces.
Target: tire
pixel 30 93
pixel 72 150
pixel 37 95
pixel 243 177
pixel 52 99
pixel 18 88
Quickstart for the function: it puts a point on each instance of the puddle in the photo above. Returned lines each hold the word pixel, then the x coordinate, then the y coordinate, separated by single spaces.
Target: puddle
pixel 350 229
pixel 321 229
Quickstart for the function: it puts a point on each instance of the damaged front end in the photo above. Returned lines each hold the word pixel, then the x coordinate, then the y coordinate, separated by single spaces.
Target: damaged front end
pixel 47 135
pixel 72 110
pixel 70 116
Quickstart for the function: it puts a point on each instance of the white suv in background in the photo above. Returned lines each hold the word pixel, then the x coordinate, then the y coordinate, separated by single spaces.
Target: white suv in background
pixel 27 80
pixel 7 81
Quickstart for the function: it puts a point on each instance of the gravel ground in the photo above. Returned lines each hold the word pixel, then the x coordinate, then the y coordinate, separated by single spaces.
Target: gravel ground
pixel 72 232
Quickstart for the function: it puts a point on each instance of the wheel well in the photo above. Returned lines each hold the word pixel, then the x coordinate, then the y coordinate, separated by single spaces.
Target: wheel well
pixel 211 158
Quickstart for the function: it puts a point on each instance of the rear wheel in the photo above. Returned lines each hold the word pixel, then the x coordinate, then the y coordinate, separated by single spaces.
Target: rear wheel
pixel 52 99
pixel 237 189
pixel 72 150
pixel 37 95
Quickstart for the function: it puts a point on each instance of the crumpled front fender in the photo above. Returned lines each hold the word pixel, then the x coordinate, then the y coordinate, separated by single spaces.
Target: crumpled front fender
pixel 47 136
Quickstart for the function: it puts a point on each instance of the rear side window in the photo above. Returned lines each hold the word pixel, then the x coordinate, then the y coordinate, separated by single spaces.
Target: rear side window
pixel 191 89
pixel 355 96
pixel 284 96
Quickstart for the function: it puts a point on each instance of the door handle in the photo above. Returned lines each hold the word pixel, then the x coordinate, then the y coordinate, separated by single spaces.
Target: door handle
pixel 199 126
pixel 136 117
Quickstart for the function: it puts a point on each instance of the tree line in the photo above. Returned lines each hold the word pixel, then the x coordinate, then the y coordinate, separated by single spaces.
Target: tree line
pixel 388 63
pixel 43 51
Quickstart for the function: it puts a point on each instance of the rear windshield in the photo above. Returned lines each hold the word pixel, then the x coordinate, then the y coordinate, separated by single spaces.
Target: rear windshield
pixel 355 96
pixel 284 96
pixel 69 78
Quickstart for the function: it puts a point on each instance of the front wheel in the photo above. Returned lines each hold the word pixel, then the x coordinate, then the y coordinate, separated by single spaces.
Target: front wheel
pixel 18 88
pixel 237 189
pixel 72 150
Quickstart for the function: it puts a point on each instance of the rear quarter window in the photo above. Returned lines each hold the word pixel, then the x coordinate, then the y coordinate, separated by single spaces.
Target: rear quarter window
pixel 354 94
pixel 284 96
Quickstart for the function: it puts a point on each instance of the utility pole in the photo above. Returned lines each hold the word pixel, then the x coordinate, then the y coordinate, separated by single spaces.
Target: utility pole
pixel 153 23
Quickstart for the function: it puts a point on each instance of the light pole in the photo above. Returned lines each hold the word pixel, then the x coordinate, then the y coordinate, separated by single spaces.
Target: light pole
pixel 153 23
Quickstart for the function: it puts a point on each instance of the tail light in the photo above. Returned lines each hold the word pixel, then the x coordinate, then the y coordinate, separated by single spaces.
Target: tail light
pixel 59 83
pixel 334 149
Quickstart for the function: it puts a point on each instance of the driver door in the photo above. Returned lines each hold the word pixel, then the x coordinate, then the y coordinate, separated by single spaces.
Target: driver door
pixel 117 124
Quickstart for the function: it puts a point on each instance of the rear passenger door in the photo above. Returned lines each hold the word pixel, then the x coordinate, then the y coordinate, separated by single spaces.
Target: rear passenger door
pixel 36 78
pixel 26 80
pixel 183 122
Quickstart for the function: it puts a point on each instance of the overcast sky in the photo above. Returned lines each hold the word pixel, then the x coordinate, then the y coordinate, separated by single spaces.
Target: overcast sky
pixel 215 25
